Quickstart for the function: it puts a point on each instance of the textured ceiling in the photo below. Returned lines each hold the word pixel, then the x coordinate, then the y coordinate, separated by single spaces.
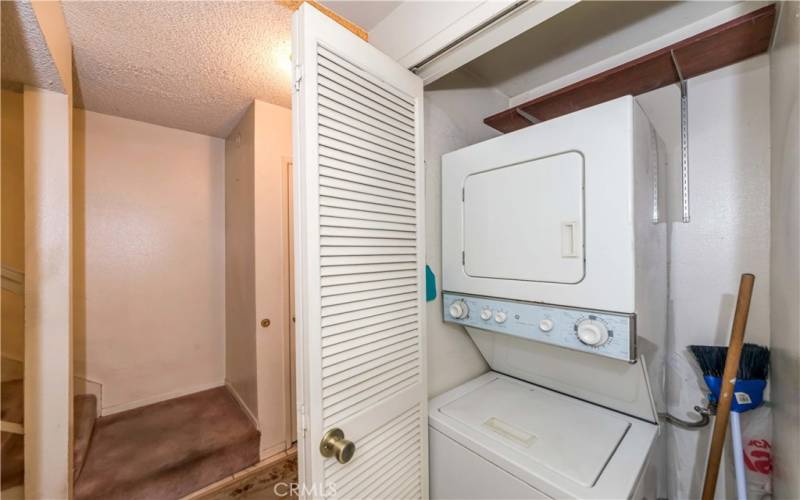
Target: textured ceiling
pixel 26 60
pixel 190 65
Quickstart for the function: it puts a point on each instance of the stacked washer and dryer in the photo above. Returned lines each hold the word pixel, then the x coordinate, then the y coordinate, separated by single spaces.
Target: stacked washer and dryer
pixel 554 261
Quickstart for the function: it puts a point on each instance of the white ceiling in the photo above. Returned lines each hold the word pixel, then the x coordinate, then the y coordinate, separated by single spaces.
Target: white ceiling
pixel 583 34
pixel 195 66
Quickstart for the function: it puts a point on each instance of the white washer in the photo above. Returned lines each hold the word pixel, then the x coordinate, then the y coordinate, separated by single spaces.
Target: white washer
pixel 500 438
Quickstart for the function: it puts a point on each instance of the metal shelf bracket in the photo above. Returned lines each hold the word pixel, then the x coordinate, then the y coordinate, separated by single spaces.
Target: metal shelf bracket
pixel 684 139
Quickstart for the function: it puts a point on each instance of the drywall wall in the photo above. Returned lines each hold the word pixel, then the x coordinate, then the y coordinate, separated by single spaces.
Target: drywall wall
pixel 452 356
pixel 258 368
pixel 452 93
pixel 149 259
pixel 13 220
pixel 241 374
pixel 272 155
pixel 785 248
pixel 48 294
pixel 728 235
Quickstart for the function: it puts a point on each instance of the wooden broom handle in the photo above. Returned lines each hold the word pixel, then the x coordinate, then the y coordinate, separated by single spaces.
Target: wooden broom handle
pixel 728 380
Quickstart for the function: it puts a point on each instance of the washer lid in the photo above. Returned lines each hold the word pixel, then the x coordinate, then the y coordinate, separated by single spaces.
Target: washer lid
pixel 567 436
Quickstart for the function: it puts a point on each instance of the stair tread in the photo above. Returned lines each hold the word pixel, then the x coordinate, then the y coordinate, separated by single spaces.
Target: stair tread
pixel 84 418
pixel 12 405
pixel 162 444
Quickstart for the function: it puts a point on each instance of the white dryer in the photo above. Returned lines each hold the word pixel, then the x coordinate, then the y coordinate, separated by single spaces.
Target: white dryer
pixel 554 261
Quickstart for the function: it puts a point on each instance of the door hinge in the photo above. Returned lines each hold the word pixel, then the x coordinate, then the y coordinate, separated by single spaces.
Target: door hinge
pixel 298 77
pixel 463 258
pixel 463 195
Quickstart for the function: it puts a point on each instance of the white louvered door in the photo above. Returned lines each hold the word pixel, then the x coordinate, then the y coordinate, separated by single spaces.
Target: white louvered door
pixel 359 254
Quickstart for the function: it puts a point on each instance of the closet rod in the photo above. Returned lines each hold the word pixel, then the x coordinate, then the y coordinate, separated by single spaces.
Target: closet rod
pixel 466 36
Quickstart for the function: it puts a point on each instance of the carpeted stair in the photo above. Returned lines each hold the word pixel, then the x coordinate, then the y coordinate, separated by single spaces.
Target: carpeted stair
pixel 84 416
pixel 12 445
pixel 168 449
pixel 13 450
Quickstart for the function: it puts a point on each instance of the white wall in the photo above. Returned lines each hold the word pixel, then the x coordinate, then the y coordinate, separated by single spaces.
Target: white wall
pixel 729 234
pixel 149 264
pixel 785 310
pixel 452 356
pixel 467 101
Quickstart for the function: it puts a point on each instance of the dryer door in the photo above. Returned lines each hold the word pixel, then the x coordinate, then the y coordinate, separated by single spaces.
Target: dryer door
pixel 525 221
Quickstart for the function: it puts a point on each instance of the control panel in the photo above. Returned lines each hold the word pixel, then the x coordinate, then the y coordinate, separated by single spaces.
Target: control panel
pixel 597 332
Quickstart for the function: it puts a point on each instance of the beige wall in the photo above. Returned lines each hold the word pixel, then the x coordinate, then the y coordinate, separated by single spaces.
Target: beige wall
pixel 452 356
pixel 273 133
pixel 13 220
pixel 257 358
pixel 240 289
pixel 785 271
pixel 149 263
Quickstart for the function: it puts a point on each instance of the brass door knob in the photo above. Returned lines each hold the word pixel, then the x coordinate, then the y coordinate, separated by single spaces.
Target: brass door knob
pixel 334 444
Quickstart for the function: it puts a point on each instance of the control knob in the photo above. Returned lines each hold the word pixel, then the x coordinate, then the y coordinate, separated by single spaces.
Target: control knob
pixel 500 317
pixel 592 332
pixel 459 309
pixel 486 314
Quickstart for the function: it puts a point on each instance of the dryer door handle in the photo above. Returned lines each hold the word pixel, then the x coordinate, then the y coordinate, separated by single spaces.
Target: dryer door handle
pixel 570 239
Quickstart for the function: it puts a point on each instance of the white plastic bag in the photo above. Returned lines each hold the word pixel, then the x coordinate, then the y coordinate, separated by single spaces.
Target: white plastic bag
pixel 757 445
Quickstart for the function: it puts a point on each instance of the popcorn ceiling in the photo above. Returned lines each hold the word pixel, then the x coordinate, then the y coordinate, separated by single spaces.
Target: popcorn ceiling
pixel 26 60
pixel 194 66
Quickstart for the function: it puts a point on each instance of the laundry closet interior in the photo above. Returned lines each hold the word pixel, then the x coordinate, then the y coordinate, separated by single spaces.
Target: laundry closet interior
pixel 393 249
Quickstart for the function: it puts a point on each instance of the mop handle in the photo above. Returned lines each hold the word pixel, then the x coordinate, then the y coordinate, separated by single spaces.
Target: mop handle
pixel 728 380
pixel 738 456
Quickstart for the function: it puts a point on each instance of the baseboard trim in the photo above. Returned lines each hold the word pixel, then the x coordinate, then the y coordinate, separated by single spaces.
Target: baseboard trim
pixel 120 407
pixel 241 476
pixel 272 451
pixel 242 404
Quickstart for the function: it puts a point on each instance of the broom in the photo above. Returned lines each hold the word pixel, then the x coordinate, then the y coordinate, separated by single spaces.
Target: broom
pixel 748 391
pixel 725 394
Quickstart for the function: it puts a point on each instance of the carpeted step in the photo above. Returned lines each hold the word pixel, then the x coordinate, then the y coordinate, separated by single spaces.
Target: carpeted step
pixel 84 411
pixel 168 449
pixel 12 449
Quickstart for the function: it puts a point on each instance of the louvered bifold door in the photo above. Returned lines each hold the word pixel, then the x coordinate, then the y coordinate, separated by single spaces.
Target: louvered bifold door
pixel 359 254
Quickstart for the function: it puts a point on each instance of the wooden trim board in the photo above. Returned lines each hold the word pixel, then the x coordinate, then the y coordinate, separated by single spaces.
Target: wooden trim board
pixel 353 27
pixel 728 43
pixel 256 482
